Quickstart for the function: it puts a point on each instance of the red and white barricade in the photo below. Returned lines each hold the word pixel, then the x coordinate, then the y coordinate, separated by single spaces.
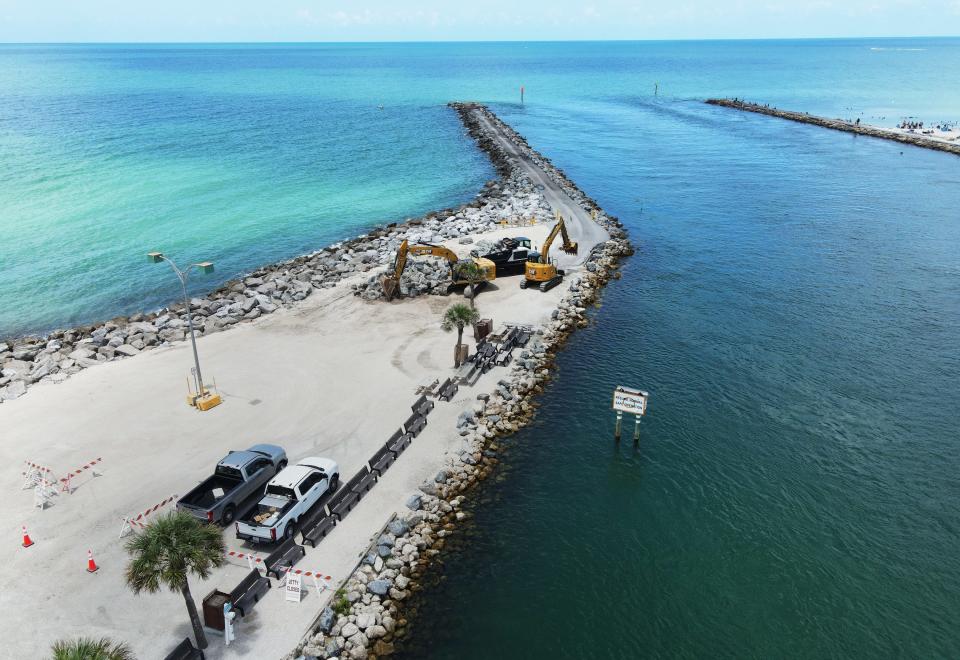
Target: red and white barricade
pixel 320 581
pixel 34 473
pixel 249 556
pixel 43 492
pixel 65 481
pixel 139 520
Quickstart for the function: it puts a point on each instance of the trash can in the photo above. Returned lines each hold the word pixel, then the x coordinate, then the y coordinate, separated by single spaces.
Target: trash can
pixel 213 609
pixel 483 328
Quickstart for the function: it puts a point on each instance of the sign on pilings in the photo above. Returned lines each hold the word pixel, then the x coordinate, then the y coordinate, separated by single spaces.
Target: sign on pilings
pixel 629 400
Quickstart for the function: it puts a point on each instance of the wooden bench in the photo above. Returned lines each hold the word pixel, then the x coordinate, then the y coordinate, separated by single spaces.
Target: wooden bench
pixel 523 338
pixel 246 594
pixel 382 460
pixel 422 406
pixel 414 424
pixel 503 357
pixel 366 482
pixel 362 482
pixel 342 503
pixel 317 530
pixel 185 650
pixel 448 390
pixel 286 555
pixel 398 442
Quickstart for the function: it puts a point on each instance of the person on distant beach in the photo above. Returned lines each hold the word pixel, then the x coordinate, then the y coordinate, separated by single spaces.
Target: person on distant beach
pixel 858 121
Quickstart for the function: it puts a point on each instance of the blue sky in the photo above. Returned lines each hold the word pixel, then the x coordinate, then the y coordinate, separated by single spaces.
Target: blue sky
pixel 415 20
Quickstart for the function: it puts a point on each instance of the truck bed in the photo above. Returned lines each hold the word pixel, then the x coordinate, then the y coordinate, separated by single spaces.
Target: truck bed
pixel 205 496
pixel 268 511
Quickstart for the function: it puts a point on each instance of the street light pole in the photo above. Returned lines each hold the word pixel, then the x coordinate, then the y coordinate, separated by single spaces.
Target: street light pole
pixel 204 267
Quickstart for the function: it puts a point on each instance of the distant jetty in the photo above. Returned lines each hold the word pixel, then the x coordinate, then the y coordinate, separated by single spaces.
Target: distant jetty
pixel 842 125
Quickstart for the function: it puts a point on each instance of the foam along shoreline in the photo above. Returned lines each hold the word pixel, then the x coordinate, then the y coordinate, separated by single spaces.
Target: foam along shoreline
pixel 320 370
pixel 896 134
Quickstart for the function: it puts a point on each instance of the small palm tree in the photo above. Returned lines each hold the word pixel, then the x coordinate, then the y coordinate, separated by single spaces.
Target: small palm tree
pixel 167 552
pixel 459 316
pixel 470 272
pixel 87 648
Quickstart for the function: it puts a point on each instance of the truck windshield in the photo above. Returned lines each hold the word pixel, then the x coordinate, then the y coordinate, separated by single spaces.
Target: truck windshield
pixel 281 491
pixel 229 472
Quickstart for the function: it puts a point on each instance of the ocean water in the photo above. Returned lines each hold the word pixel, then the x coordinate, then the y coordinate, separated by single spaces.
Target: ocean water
pixel 793 308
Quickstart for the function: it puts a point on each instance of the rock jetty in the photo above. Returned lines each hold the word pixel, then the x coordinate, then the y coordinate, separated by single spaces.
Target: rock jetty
pixel 366 616
pixel 840 125
pixel 53 357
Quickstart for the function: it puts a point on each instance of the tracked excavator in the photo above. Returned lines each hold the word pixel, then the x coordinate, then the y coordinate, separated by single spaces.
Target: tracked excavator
pixel 391 282
pixel 542 271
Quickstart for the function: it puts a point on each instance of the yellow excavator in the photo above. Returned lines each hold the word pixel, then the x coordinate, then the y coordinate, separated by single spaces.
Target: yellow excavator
pixel 542 271
pixel 391 282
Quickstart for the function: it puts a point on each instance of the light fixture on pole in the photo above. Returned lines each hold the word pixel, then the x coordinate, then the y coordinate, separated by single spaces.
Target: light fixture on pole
pixel 202 398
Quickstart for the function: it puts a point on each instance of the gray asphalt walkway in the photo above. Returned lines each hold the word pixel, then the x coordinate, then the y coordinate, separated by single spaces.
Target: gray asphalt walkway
pixel 580 225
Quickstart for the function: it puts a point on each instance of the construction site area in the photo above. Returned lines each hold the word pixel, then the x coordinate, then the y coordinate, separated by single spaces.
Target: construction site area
pixel 339 385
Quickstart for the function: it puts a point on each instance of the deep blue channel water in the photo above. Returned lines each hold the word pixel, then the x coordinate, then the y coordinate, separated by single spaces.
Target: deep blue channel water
pixel 793 308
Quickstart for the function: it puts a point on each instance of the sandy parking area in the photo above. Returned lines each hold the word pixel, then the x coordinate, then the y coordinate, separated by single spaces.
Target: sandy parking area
pixel 334 377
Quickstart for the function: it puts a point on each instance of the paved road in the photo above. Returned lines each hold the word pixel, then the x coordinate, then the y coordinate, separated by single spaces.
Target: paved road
pixel 580 225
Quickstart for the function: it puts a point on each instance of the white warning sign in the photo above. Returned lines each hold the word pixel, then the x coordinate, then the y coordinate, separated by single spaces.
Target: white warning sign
pixel 628 400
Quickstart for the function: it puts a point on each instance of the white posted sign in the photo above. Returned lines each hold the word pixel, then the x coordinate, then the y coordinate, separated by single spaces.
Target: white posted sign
pixel 293 587
pixel 630 401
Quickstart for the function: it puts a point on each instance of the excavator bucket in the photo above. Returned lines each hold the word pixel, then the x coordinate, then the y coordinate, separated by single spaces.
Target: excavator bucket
pixel 571 247
pixel 390 285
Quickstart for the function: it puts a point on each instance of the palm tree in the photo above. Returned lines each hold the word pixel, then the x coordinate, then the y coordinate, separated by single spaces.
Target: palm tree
pixel 470 272
pixel 167 552
pixel 87 648
pixel 459 316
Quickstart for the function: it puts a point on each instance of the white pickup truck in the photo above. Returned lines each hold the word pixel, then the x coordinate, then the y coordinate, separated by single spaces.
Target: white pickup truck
pixel 288 496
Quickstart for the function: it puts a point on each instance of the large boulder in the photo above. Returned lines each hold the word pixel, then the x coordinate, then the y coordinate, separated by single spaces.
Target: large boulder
pixel 366 620
pixel 326 620
pixel 398 527
pixel 378 588
pixel 15 390
pixel 171 334
pixel 375 631
pixel 126 349
pixel 81 353
pixel 25 351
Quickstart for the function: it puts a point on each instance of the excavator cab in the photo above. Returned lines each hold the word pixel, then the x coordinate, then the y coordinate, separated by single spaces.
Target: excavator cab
pixel 542 271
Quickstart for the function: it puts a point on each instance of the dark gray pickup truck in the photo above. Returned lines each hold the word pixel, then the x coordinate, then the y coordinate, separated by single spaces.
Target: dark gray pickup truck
pixel 237 476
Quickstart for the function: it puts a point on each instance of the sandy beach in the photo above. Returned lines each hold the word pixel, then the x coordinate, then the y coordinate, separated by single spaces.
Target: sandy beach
pixel 334 378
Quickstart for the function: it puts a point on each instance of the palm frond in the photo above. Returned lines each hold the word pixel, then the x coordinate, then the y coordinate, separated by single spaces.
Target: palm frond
pixel 87 648
pixel 169 550
pixel 459 316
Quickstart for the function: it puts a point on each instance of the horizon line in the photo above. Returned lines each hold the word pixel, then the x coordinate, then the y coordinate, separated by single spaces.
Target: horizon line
pixel 457 41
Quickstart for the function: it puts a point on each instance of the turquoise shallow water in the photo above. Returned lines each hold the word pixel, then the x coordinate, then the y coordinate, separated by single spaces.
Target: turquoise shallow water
pixel 793 308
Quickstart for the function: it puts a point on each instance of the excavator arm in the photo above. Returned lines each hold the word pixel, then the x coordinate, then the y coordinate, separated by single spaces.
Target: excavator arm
pixel 434 251
pixel 391 283
pixel 568 246
pixel 545 251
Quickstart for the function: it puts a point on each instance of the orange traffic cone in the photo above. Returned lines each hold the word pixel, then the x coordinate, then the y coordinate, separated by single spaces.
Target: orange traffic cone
pixel 27 542
pixel 91 565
